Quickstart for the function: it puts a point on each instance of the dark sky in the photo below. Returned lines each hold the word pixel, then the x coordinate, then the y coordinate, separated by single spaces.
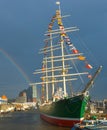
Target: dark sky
pixel 22 27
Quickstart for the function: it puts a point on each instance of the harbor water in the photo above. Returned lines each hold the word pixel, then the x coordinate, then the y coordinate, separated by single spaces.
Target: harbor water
pixel 26 120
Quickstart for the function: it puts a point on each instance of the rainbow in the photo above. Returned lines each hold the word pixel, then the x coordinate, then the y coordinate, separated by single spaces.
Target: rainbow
pixel 12 61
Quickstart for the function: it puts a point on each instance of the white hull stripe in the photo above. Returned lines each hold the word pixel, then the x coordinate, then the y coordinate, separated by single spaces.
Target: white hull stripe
pixel 61 118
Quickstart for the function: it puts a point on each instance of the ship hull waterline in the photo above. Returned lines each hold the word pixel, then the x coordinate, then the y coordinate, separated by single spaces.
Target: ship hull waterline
pixel 65 112
pixel 60 121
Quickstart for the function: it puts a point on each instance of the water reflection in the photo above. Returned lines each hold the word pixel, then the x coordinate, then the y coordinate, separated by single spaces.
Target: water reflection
pixel 28 120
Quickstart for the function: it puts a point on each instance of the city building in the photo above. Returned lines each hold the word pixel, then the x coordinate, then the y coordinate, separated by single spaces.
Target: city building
pixel 22 98
pixel 27 95
pixel 100 106
pixel 31 94
pixel 105 102
pixel 3 99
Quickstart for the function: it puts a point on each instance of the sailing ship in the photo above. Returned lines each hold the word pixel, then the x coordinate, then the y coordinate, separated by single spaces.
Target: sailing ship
pixel 60 106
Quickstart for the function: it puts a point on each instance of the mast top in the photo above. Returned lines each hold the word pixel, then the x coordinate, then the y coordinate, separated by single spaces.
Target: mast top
pixel 57 3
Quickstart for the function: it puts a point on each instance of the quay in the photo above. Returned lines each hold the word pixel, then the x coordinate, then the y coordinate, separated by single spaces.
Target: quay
pixel 19 104
pixel 11 107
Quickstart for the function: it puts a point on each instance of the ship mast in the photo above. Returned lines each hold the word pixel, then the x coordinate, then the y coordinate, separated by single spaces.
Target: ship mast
pixel 62 51
pixel 56 69
pixel 52 64
pixel 47 85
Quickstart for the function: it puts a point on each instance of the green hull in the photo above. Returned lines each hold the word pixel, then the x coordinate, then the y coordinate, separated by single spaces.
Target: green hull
pixel 73 107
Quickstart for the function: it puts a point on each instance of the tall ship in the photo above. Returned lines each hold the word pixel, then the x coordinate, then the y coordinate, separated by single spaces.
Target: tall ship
pixel 63 68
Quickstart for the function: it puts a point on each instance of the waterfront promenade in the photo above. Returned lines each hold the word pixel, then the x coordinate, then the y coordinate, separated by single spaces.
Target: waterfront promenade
pixel 11 107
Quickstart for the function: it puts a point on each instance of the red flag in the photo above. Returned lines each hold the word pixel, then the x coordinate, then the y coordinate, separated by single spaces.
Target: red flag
pixel 88 66
pixel 75 51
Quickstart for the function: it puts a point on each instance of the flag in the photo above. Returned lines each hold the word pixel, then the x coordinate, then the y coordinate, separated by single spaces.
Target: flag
pixel 75 51
pixel 88 66
pixel 89 76
pixel 81 57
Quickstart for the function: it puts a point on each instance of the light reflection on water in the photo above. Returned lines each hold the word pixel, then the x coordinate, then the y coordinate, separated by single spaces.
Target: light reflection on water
pixel 29 120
